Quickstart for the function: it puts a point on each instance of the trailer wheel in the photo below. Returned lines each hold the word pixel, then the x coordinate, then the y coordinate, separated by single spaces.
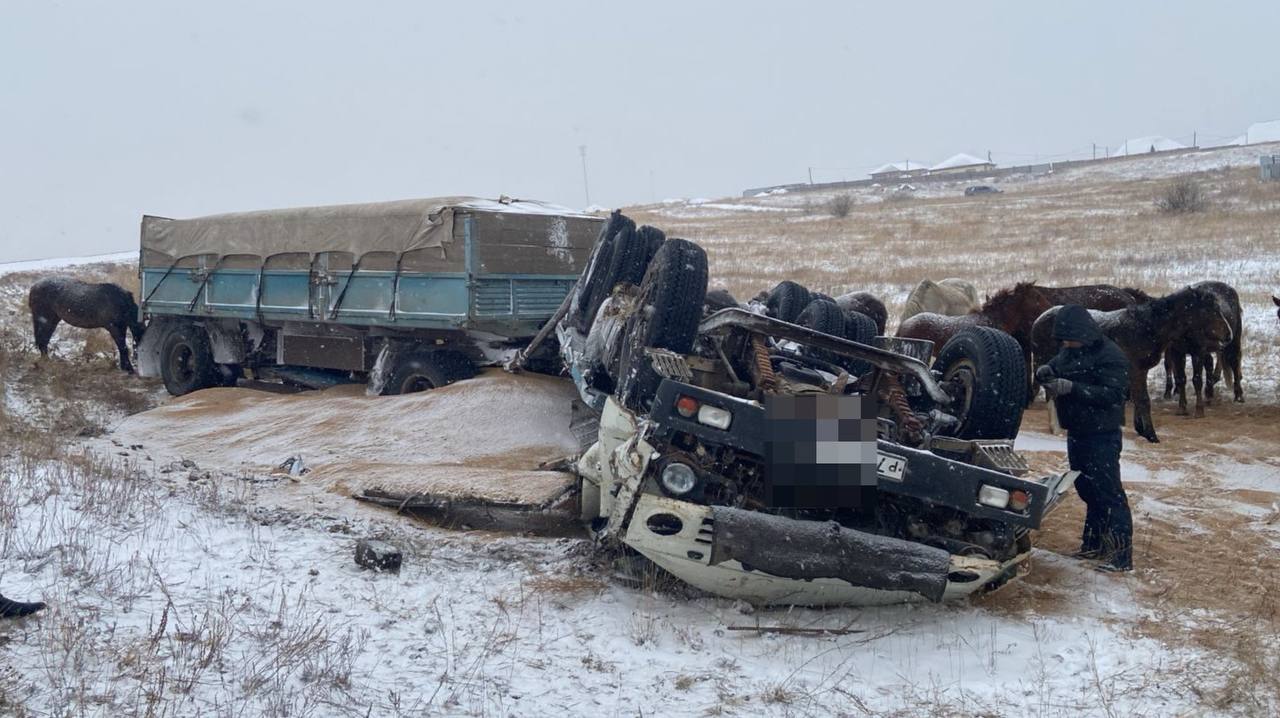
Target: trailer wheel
pixel 416 371
pixel 787 300
pixel 186 360
pixel 671 298
pixel 983 368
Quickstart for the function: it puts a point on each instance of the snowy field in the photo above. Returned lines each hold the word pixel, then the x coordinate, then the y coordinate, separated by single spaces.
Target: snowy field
pixel 184 578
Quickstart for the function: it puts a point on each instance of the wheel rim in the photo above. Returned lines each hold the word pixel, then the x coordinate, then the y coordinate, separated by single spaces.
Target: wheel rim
pixel 180 363
pixel 415 383
pixel 961 375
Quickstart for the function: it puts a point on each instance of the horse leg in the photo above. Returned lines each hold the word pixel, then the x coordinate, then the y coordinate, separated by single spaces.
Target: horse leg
pixel 1179 365
pixel 1198 369
pixel 1212 374
pixel 43 326
pixel 1142 422
pixel 1168 374
pixel 1231 360
pixel 117 332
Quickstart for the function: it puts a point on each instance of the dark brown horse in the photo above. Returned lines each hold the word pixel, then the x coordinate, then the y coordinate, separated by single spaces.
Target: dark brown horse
pixel 866 303
pixel 1102 297
pixel 1207 351
pixel 89 306
pixel 1143 332
pixel 1011 310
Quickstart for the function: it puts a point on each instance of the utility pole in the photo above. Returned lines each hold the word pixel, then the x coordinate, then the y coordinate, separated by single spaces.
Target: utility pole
pixel 1095 150
pixel 586 191
pixel 1193 139
pixel 810 175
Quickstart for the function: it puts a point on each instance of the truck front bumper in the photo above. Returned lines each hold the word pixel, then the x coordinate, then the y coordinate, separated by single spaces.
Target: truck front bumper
pixel 768 559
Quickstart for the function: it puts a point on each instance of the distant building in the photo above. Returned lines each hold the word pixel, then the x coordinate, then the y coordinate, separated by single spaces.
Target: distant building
pixel 961 164
pixel 1147 145
pixel 898 171
pixel 1262 132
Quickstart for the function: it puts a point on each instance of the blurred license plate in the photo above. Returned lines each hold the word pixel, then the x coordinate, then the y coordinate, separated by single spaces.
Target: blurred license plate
pixel 890 466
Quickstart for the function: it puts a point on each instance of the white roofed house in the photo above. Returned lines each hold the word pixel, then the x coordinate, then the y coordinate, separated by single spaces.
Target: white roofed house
pixel 898 170
pixel 962 164
pixel 1147 145
pixel 1268 131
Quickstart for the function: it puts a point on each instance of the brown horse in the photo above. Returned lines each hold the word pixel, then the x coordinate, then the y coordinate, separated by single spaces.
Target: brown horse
pixel 865 303
pixel 88 306
pixel 1203 351
pixel 1011 310
pixel 1143 332
pixel 1102 297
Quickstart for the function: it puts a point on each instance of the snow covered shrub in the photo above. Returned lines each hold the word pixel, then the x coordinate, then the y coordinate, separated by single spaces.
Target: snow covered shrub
pixel 1182 196
pixel 840 205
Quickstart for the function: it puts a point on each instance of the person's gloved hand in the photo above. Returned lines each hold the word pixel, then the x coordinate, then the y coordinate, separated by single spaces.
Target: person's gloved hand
pixel 1044 373
pixel 1059 387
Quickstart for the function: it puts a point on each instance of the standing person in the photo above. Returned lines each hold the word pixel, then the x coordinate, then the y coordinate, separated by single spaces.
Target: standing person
pixel 17 609
pixel 1089 376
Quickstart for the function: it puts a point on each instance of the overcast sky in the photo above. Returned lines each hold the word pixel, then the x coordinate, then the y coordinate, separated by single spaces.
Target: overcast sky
pixel 112 110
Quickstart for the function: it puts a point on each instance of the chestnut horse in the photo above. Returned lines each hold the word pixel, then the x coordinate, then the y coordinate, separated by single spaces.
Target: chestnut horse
pixel 1143 332
pixel 88 306
pixel 1012 310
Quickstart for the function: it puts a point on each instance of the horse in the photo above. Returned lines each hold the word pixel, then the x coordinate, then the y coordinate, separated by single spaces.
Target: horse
pixel 1276 301
pixel 1012 310
pixel 865 303
pixel 948 297
pixel 1102 297
pixel 1143 332
pixel 1202 350
pixel 84 305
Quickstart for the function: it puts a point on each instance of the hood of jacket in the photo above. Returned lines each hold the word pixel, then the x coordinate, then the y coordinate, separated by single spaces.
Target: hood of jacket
pixel 1074 323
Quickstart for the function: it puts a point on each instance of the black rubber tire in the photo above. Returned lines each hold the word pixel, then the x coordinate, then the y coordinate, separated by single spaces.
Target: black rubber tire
pixel 414 371
pixel 859 327
pixel 787 300
pixel 186 360
pixel 824 317
pixel 628 260
pixel 590 295
pixel 653 239
pixel 671 295
pixel 989 365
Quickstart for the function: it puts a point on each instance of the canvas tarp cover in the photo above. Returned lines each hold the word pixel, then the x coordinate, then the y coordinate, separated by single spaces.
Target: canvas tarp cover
pixel 397 227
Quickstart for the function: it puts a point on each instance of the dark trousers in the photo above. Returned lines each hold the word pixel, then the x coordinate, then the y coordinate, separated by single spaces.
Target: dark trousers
pixel 1108 525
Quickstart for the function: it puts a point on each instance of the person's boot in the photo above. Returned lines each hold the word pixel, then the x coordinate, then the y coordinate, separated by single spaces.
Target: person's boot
pixel 17 609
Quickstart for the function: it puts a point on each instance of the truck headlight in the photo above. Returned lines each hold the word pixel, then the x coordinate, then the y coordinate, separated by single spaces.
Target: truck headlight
pixel 679 479
pixel 993 496
pixel 714 417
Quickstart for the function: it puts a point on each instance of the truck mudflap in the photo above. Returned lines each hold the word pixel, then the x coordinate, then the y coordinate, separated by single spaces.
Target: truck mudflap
pixel 768 559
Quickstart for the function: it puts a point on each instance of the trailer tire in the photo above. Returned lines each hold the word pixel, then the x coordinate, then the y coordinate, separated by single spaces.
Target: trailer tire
pixel 671 298
pixel 983 368
pixel 787 300
pixel 186 360
pixel 590 295
pixel 415 371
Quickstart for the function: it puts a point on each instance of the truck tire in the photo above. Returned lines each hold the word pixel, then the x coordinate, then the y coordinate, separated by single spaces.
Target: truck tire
pixel 825 317
pixel 859 327
pixel 414 371
pixel 186 360
pixel 671 298
pixel 985 370
pixel 653 239
pixel 591 294
pixel 787 300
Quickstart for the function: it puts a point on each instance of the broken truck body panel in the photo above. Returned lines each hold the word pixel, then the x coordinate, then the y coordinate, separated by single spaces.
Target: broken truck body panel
pixel 801 460
pixel 335 288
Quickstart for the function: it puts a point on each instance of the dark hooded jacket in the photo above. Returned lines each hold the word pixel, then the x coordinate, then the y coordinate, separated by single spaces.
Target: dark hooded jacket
pixel 1098 371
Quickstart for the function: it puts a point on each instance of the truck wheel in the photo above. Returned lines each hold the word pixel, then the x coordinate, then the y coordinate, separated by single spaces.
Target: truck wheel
pixel 416 371
pixel 186 361
pixel 983 368
pixel 827 318
pixel 628 261
pixel 671 298
pixel 787 300
pixel 859 327
pixel 590 294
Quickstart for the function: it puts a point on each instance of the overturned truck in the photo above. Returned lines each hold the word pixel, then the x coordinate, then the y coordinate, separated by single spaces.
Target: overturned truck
pixel 779 451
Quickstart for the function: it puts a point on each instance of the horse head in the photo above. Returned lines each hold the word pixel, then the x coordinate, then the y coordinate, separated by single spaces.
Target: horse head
pixel 1015 309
